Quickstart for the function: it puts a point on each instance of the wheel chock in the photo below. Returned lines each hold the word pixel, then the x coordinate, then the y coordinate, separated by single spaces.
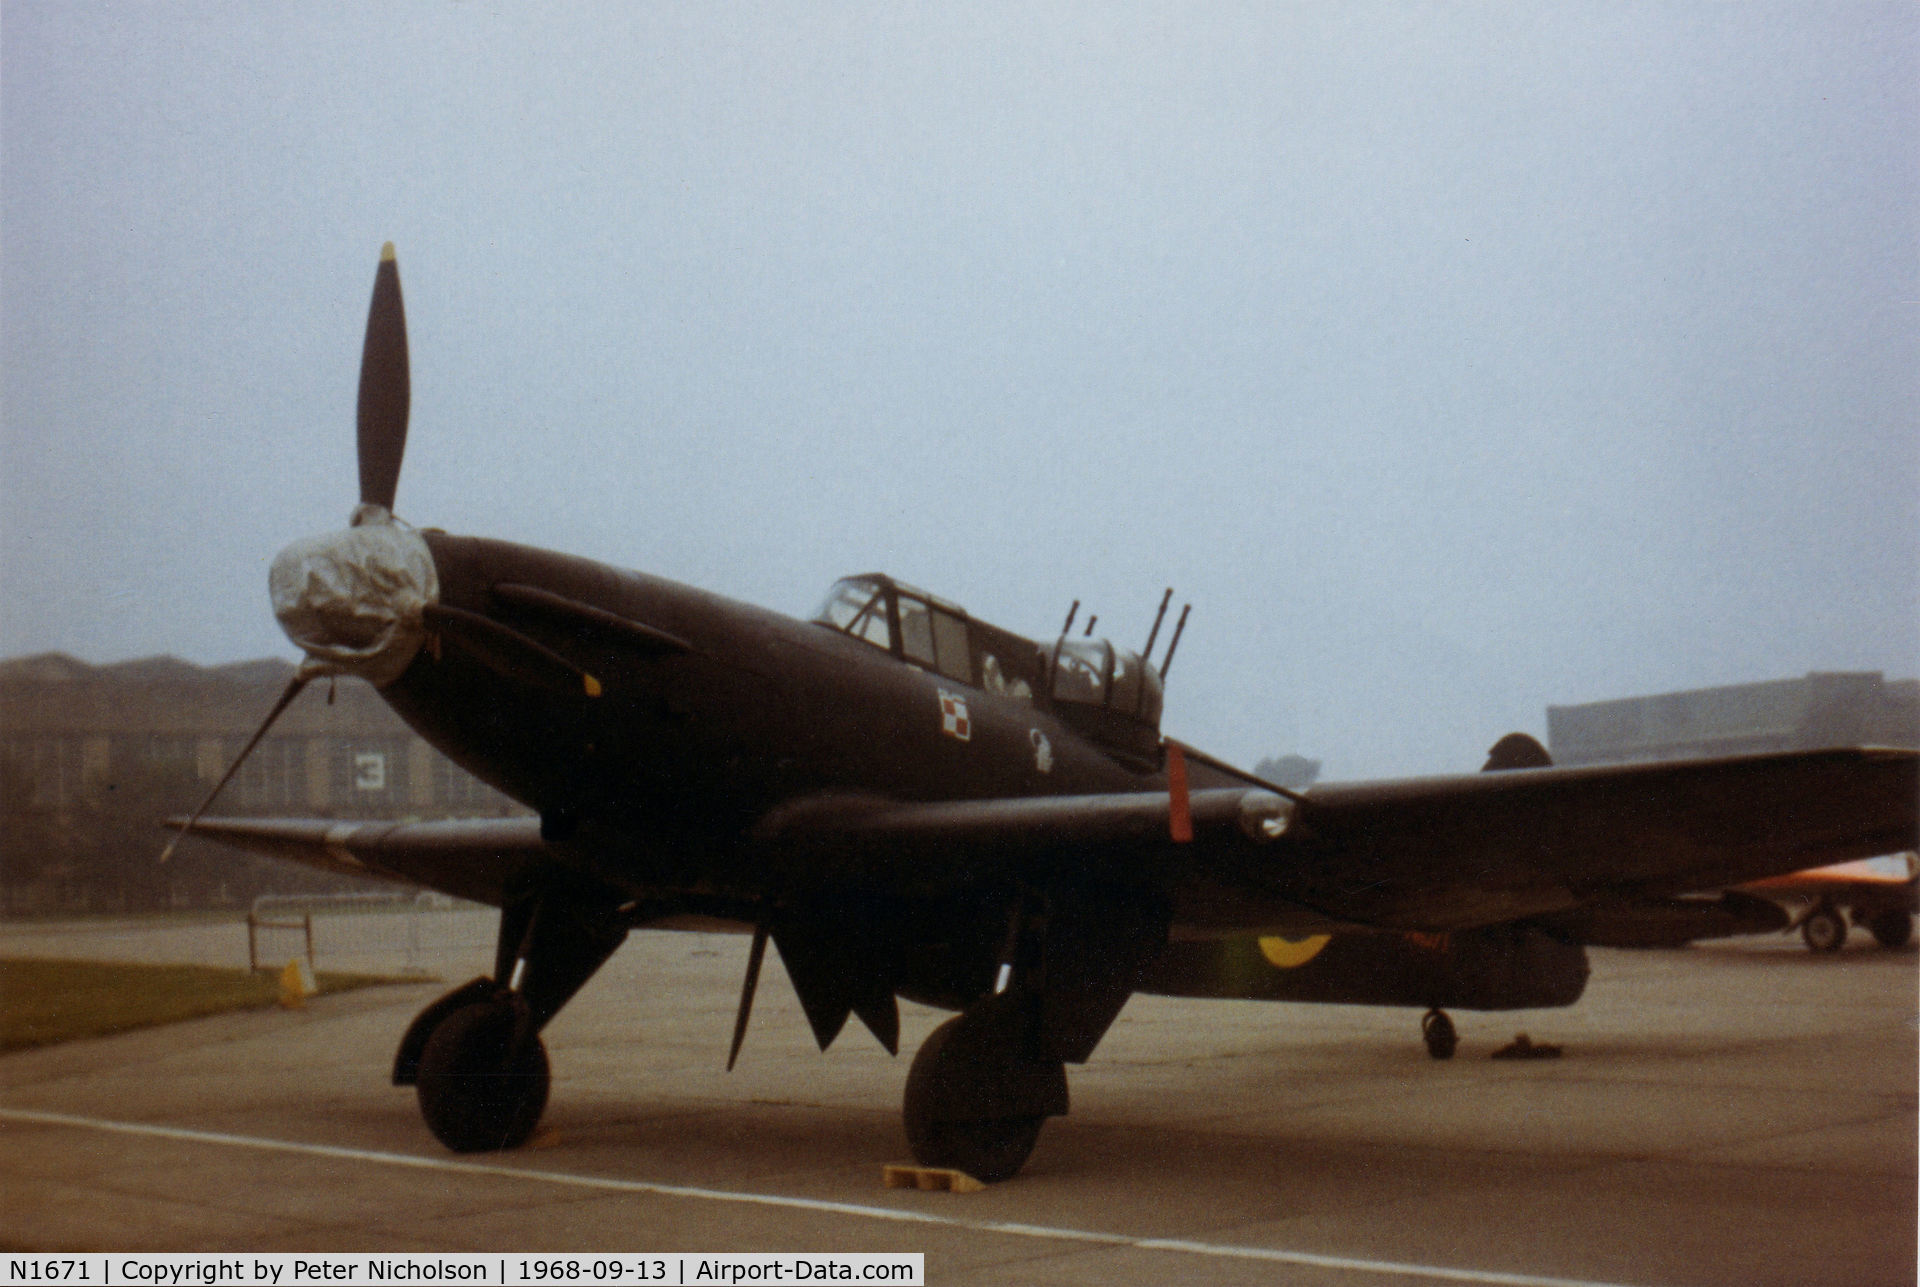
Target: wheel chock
pixel 1522 1047
pixel 931 1178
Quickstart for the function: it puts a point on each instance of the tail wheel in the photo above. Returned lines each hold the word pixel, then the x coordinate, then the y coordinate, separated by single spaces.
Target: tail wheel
pixel 1437 1030
pixel 1825 929
pixel 480 1089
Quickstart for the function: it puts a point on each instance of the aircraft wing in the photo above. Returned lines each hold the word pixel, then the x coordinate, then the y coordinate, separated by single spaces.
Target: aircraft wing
pixel 471 858
pixel 1425 854
pixel 1016 826
pixel 1442 853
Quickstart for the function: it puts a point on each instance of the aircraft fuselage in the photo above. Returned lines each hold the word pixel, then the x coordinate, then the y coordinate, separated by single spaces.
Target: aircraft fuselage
pixel 691 747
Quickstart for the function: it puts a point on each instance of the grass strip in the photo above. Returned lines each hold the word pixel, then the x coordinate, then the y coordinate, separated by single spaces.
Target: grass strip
pixel 46 1002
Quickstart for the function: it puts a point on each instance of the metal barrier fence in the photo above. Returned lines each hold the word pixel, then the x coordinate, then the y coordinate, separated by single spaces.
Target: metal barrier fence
pixel 406 933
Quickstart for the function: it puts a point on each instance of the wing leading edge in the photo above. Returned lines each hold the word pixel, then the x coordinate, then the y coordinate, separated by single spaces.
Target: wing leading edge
pixel 472 858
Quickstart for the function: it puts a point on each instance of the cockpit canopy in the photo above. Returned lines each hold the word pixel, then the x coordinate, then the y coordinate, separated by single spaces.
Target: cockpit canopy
pixel 1109 693
pixel 1092 672
pixel 909 623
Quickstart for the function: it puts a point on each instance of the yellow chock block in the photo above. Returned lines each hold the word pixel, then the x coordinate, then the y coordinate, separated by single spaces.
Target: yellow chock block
pixel 296 983
pixel 931 1178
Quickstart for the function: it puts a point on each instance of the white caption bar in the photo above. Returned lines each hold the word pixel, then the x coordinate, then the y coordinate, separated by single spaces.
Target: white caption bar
pixel 519 1269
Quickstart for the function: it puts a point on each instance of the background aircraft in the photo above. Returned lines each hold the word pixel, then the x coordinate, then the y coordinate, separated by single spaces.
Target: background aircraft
pixel 1818 902
pixel 1880 894
pixel 910 802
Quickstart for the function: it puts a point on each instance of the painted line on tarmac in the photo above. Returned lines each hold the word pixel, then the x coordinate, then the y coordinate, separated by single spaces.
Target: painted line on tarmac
pixel 609 1184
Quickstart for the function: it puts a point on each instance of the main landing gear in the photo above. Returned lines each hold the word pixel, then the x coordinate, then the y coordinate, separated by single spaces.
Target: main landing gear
pixel 1824 929
pixel 483 1078
pixel 985 1081
pixel 980 1089
pixel 1437 1030
pixel 1891 927
pixel 474 1057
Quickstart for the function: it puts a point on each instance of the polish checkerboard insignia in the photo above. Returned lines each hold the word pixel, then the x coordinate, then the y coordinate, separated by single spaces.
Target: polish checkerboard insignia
pixel 953 716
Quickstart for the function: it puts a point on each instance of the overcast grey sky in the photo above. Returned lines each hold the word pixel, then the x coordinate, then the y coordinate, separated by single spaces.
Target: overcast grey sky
pixel 1453 360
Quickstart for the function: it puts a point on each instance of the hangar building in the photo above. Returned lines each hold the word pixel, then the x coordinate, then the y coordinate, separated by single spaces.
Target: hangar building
pixel 92 756
pixel 1843 708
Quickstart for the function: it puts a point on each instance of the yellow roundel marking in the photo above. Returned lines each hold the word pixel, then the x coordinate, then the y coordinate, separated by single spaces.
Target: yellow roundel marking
pixel 1291 953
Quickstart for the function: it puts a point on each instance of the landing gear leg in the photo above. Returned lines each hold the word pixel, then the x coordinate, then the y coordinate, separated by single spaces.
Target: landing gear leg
pixel 475 1056
pixel 1437 1030
pixel 979 1090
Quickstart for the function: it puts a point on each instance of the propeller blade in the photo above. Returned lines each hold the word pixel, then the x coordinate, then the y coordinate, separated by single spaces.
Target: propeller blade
pixel 755 955
pixel 385 392
pixel 292 691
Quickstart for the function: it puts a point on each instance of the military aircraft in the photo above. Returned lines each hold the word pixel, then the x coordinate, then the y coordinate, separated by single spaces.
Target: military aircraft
pixel 910 802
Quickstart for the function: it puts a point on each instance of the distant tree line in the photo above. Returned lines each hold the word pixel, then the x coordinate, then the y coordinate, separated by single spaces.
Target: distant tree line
pixel 1288 770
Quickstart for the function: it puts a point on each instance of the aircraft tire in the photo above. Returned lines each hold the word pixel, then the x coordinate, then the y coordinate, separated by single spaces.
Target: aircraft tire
pixel 989 1151
pixel 1824 930
pixel 958 1112
pixel 1891 927
pixel 1437 1030
pixel 476 1094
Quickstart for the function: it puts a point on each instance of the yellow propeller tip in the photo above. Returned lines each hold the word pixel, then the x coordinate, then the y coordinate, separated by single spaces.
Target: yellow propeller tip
pixel 386 253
